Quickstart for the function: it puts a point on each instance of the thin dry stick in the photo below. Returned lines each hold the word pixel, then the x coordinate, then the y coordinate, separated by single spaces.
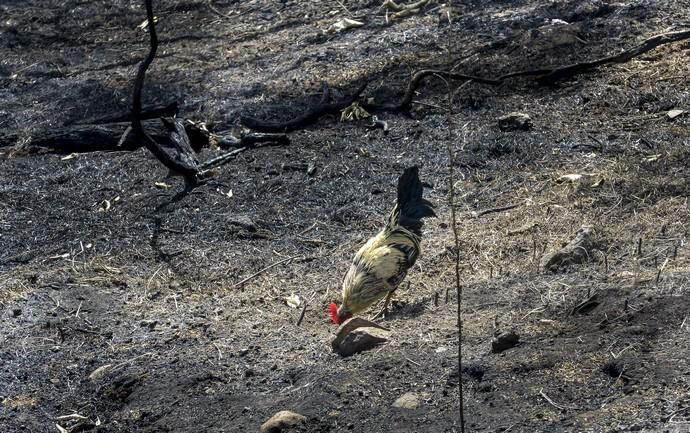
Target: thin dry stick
pixel 220 159
pixel 456 238
pixel 413 362
pixel 479 213
pixel 553 403
pixel 220 354
pixel 216 11
pixel 661 269
pixel 669 418
pixel 307 230
pixel 262 271
pixel 301 315
pixel 129 361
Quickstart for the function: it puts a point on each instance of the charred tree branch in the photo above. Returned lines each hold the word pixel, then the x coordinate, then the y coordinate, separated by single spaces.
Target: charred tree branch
pixel 312 114
pixel 106 138
pixel 549 76
pixel 155 112
pixel 183 164
pixel 545 75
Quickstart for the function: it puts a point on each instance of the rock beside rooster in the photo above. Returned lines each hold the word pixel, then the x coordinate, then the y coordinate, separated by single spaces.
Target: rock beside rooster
pixel 357 335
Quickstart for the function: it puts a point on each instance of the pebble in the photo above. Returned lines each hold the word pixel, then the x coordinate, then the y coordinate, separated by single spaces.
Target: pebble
pixel 515 122
pixel 282 422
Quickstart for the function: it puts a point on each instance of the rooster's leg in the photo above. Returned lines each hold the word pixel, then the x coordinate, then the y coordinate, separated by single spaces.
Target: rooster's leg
pixel 385 305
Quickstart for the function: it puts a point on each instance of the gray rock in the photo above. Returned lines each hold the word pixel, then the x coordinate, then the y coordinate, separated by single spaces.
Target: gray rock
pixel 409 400
pixel 357 334
pixel 577 251
pixel 362 339
pixel 554 35
pixel 242 221
pixel 504 341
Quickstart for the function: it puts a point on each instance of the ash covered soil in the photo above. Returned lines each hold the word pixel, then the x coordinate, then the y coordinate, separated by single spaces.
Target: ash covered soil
pixel 124 307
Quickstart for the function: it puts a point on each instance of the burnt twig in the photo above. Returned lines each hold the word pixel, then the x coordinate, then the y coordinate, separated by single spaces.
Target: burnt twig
pixel 301 315
pixel 255 274
pixel 221 159
pixel 482 212
pixel 417 79
pixel 377 123
pixel 251 140
pixel 240 144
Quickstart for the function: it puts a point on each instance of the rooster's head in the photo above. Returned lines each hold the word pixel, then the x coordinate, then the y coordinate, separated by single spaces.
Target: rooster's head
pixel 338 314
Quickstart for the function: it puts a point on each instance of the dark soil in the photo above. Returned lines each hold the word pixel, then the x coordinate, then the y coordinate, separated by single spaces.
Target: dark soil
pixel 121 304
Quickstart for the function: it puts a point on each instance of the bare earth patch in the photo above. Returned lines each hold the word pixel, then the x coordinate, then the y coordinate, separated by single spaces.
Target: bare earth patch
pixel 125 309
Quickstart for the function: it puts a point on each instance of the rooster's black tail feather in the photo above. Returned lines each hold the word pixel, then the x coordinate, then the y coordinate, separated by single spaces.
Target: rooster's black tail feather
pixel 411 207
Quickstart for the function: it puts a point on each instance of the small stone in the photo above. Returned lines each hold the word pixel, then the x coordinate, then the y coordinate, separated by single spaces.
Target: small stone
pixel 98 373
pixel 485 387
pixel 242 221
pixel 504 341
pixel 311 169
pixel 515 122
pixel 633 330
pixel 282 422
pixel 557 33
pixel 409 400
pixel 672 114
pixel 147 323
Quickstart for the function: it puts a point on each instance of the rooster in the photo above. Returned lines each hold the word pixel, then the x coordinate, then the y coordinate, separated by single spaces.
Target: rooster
pixel 382 263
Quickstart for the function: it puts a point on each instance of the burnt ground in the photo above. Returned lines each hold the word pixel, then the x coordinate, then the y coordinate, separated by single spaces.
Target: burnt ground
pixel 123 307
